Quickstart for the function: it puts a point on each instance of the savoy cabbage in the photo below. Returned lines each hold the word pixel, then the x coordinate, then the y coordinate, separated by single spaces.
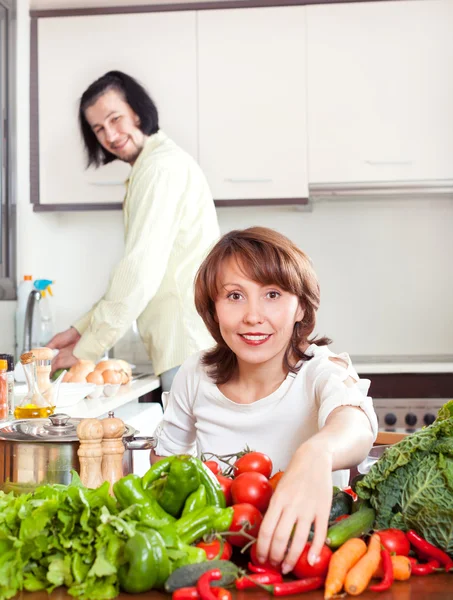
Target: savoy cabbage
pixel 411 485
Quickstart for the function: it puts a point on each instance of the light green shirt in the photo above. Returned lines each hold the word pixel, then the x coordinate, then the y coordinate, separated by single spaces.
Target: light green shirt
pixel 170 225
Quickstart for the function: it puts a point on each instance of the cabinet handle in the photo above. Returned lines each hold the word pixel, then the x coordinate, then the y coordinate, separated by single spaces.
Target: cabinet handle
pixel 389 163
pixel 236 180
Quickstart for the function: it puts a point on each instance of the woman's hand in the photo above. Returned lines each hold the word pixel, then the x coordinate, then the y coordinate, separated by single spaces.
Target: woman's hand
pixel 302 497
pixel 66 338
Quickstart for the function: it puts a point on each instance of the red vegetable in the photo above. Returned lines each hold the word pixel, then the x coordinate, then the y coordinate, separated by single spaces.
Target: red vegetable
pixel 225 484
pixel 395 541
pixel 253 488
pixel 429 550
pixel 253 461
pixel 203 584
pixel 288 588
pixel 266 565
pixel 387 566
pixel 247 516
pixel 425 568
pixel 186 593
pixel 212 466
pixel 303 568
pixel 251 581
pixel 259 569
pixel 217 549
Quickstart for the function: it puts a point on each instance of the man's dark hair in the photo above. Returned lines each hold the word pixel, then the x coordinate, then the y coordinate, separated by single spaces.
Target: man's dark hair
pixel 137 98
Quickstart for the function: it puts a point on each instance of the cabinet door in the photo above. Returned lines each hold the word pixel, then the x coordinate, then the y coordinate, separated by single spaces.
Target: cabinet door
pixel 158 49
pixel 380 91
pixel 252 130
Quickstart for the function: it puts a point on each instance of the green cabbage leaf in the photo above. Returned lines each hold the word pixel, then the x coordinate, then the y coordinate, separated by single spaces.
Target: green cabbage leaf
pixel 411 485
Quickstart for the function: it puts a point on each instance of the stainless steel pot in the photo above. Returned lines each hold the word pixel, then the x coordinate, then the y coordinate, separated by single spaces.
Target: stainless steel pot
pixel 38 451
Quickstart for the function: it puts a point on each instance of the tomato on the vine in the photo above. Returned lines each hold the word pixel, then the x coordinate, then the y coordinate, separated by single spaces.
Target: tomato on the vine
pixel 212 466
pixel 225 484
pixel 253 461
pixel 253 488
pixel 248 516
pixel 302 568
pixel 395 541
pixel 212 549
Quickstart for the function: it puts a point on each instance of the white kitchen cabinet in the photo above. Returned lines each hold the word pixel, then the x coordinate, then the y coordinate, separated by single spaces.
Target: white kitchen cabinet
pixel 252 102
pixel 380 91
pixel 158 49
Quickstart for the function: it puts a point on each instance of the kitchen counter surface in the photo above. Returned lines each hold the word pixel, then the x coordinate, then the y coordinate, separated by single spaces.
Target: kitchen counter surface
pixel 394 364
pixel 432 587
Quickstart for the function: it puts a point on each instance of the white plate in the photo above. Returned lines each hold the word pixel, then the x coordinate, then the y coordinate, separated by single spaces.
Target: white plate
pixel 71 393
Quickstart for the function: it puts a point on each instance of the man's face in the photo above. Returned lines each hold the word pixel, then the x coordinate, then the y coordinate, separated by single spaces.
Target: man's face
pixel 116 126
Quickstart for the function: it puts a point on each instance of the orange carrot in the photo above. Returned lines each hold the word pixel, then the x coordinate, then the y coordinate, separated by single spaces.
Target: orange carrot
pixel 341 561
pixel 401 568
pixel 361 573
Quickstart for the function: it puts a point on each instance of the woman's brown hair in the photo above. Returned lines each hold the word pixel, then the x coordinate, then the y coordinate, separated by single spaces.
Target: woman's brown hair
pixel 268 257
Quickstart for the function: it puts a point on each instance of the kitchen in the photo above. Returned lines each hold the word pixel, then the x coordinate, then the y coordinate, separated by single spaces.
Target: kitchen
pixel 394 290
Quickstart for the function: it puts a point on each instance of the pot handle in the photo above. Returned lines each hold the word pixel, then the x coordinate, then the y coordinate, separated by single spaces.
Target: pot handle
pixel 140 443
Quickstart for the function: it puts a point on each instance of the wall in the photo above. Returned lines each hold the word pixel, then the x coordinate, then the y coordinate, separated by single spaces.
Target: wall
pixel 384 266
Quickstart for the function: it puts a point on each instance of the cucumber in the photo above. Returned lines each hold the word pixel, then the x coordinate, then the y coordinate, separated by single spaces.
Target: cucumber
pixel 354 526
pixel 341 505
pixel 188 575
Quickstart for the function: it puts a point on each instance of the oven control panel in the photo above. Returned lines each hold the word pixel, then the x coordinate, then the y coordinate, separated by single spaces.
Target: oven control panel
pixel 406 414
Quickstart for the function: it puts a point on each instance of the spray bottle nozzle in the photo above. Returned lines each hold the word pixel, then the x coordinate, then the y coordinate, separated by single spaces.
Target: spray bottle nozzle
pixel 43 284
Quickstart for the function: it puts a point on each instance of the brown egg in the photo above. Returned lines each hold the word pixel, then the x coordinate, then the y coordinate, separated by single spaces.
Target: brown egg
pixel 95 377
pixel 111 376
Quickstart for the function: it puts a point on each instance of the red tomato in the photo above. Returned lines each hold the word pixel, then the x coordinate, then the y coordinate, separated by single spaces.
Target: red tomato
pixel 253 488
pixel 244 514
pixel 225 484
pixel 253 461
pixel 212 466
pixel 265 565
pixel 274 480
pixel 302 568
pixel 351 492
pixel 212 549
pixel 395 541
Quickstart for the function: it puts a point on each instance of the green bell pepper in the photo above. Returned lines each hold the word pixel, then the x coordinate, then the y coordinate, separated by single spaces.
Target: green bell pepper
pixel 211 518
pixel 214 493
pixel 195 500
pixel 147 563
pixel 193 555
pixel 129 490
pixel 181 480
pixel 157 470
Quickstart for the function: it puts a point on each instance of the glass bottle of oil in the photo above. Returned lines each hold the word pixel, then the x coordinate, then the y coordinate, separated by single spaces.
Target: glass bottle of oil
pixel 34 404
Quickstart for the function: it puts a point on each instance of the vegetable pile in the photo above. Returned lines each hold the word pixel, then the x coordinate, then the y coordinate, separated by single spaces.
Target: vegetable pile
pixel 411 486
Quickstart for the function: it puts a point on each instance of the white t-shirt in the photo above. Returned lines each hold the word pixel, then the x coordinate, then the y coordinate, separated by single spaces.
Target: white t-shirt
pixel 198 418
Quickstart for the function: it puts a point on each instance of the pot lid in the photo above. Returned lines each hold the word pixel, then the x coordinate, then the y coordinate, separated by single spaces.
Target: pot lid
pixel 56 428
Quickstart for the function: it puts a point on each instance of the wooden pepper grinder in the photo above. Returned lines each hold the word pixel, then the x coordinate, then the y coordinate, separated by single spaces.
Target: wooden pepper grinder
pixel 112 449
pixel 89 432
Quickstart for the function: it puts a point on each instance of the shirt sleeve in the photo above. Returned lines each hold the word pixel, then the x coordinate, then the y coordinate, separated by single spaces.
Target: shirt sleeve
pixel 331 391
pixel 176 433
pixel 154 206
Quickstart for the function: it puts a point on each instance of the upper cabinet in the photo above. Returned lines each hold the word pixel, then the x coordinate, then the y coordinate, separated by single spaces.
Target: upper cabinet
pixel 252 102
pixel 380 91
pixel 159 49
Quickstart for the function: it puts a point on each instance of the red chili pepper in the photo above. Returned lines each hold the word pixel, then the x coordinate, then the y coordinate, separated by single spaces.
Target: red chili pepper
pixel 387 566
pixel 221 593
pixel 429 550
pixel 341 518
pixel 203 584
pixel 257 569
pixel 254 581
pixel 288 588
pixel 425 568
pixel 186 593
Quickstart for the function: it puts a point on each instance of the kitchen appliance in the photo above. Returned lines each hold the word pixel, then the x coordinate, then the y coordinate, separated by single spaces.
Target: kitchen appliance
pixel 406 414
pixel 38 451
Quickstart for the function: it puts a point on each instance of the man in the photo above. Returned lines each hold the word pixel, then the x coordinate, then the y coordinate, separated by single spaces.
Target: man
pixel 170 224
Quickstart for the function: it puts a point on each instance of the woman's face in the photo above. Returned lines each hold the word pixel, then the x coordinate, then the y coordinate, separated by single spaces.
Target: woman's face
pixel 256 321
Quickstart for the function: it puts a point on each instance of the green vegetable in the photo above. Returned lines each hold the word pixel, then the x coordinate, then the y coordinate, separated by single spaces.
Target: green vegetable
pixel 353 526
pixel 157 470
pixel 190 555
pixel 56 374
pixel 411 485
pixel 214 494
pixel 195 500
pixel 147 564
pixel 188 575
pixel 341 505
pixel 181 480
pixel 129 491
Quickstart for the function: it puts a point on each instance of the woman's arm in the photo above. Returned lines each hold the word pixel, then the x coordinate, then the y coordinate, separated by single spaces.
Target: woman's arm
pixel 304 494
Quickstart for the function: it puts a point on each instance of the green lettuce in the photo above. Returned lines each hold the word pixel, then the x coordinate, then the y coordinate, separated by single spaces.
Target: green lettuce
pixel 411 485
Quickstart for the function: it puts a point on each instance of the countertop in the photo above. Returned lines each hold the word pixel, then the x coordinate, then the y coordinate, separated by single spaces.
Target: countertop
pixel 402 364
pixel 432 587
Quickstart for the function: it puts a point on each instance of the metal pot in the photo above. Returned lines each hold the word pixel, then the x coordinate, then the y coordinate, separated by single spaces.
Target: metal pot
pixel 38 451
